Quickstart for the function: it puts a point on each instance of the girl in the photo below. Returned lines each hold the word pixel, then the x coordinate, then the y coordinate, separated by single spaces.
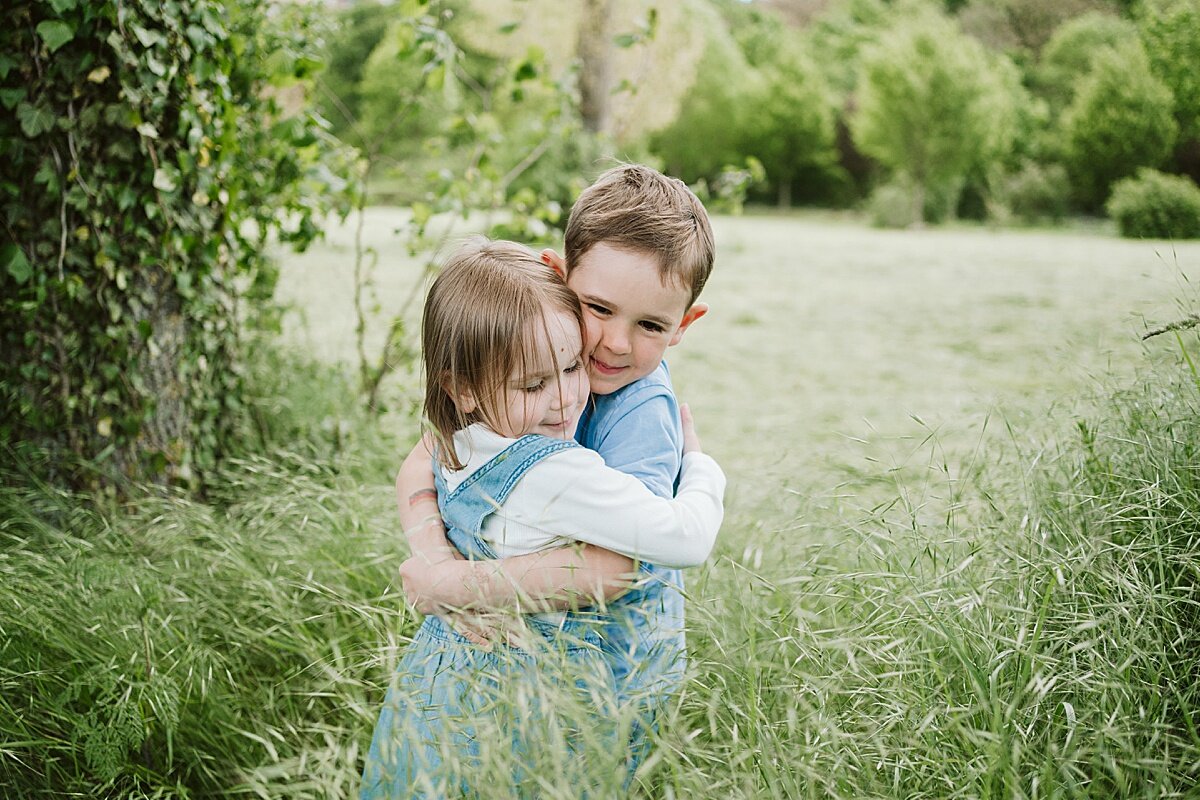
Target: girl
pixel 505 386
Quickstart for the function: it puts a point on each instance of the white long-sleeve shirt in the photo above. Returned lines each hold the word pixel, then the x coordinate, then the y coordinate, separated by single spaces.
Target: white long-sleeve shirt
pixel 572 496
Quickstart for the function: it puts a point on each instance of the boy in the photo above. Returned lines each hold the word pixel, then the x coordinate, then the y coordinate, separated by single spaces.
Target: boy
pixel 639 250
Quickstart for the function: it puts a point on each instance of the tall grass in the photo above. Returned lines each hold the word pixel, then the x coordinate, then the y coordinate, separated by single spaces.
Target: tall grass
pixel 1023 625
pixel 1045 643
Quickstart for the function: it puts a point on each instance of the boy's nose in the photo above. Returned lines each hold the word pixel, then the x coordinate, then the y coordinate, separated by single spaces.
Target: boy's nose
pixel 616 340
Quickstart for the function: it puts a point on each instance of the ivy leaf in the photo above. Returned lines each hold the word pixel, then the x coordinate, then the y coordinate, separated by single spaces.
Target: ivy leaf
pixel 147 37
pixel 15 262
pixel 63 5
pixel 55 33
pixel 164 181
pixel 10 97
pixel 6 63
pixel 34 120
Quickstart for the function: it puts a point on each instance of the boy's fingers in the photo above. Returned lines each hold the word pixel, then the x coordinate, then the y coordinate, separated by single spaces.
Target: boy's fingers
pixel 691 442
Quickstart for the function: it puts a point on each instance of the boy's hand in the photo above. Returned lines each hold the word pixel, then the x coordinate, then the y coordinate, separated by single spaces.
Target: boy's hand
pixel 691 442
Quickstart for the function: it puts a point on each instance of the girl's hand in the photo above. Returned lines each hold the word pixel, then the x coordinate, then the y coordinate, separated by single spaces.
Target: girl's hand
pixel 430 586
pixel 691 442
pixel 473 628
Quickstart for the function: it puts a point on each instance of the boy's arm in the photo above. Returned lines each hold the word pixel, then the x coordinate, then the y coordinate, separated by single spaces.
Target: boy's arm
pixel 556 579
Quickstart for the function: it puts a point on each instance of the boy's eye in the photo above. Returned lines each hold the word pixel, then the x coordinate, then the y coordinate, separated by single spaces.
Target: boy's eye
pixel 597 309
pixel 653 327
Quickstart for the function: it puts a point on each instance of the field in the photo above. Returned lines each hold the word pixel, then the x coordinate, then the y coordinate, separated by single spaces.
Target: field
pixel 833 351
pixel 960 558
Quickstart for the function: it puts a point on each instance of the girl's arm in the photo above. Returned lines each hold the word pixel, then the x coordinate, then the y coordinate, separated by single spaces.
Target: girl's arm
pixel 420 517
pixel 436 577
pixel 550 580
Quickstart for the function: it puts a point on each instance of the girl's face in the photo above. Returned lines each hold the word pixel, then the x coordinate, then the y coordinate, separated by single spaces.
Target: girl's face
pixel 550 396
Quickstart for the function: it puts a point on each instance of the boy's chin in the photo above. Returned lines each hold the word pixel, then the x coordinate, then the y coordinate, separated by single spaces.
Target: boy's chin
pixel 608 384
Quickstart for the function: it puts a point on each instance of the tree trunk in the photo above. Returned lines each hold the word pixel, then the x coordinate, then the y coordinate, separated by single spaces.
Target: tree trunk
pixel 595 67
pixel 918 217
pixel 785 192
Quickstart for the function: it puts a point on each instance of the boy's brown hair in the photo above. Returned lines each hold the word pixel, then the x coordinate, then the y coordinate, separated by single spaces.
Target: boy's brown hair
pixel 635 207
pixel 476 331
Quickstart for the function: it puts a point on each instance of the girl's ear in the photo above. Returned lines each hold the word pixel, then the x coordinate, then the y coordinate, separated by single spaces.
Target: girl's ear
pixel 555 262
pixel 463 400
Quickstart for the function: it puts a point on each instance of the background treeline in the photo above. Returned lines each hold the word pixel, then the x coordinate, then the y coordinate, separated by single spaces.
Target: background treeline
pixel 915 110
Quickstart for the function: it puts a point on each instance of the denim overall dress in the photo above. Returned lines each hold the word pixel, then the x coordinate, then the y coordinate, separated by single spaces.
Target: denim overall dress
pixel 452 702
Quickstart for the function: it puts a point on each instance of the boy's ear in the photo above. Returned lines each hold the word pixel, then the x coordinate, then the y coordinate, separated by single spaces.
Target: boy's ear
pixel 691 315
pixel 555 262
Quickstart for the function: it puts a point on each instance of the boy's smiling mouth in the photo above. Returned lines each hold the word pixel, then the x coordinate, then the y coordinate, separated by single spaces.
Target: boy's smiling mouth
pixel 605 369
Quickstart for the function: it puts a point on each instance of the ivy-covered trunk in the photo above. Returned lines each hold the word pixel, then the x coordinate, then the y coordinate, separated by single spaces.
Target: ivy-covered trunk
pixel 145 167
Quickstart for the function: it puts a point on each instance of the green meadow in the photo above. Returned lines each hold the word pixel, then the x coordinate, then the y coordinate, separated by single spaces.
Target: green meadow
pixel 961 554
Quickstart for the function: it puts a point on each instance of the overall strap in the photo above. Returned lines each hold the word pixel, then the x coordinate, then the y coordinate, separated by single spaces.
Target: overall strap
pixel 484 492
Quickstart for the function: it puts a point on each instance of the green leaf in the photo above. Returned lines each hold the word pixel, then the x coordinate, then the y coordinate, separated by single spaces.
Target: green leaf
pixel 164 181
pixel 147 37
pixel 34 120
pixel 15 262
pixel 10 97
pixel 63 5
pixel 6 63
pixel 55 33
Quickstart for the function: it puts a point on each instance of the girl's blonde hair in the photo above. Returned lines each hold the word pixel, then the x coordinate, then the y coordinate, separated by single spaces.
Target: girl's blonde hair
pixel 476 331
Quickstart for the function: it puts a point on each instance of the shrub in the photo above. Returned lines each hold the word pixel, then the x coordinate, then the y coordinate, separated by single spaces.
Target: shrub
pixel 1036 192
pixel 891 206
pixel 1156 206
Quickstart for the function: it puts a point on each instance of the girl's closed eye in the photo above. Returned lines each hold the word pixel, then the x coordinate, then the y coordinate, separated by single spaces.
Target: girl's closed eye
pixel 533 388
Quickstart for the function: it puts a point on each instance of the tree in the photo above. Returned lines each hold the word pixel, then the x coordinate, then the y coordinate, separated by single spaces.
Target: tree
pixel 353 34
pixel 595 64
pixel 790 123
pixel 931 106
pixel 705 136
pixel 1119 120
pixel 146 165
pixel 1072 50
pixel 1170 30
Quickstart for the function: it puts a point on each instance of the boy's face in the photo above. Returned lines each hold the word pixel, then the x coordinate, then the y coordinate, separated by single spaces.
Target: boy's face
pixel 631 317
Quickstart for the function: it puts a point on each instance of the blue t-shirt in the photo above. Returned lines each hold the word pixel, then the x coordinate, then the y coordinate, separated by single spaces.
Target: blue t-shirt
pixel 637 430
